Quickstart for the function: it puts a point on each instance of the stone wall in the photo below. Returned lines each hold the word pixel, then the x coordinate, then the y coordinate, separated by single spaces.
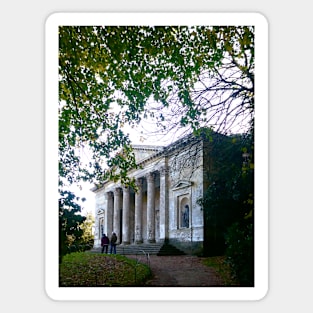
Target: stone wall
pixel 186 186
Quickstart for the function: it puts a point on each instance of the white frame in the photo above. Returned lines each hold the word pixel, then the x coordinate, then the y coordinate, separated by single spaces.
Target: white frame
pixel 261 158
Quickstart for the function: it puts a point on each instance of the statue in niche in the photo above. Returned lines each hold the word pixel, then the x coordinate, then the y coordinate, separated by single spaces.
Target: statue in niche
pixel 185 216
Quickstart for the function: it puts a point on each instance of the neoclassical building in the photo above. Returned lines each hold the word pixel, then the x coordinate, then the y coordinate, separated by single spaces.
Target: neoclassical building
pixel 170 181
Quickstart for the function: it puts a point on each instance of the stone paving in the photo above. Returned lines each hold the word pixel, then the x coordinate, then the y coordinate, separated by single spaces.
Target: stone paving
pixel 180 271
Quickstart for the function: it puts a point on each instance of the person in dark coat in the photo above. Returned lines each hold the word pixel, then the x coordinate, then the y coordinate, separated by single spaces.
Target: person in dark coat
pixel 104 243
pixel 113 241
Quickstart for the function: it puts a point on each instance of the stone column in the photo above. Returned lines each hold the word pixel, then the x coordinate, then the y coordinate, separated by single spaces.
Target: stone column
pixel 125 219
pixel 164 203
pixel 138 212
pixel 109 213
pixel 116 216
pixel 150 207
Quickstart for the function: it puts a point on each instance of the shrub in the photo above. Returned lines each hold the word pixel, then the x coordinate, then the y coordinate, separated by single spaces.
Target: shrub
pixel 240 252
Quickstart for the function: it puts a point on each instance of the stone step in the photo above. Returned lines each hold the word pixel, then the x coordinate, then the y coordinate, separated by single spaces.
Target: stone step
pixel 159 249
pixel 133 249
pixel 152 248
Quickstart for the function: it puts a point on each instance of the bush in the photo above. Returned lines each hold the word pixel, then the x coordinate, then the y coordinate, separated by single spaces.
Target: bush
pixel 240 253
pixel 223 269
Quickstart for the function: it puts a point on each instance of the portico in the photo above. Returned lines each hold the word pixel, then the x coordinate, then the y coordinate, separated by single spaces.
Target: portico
pixel 135 215
pixel 167 182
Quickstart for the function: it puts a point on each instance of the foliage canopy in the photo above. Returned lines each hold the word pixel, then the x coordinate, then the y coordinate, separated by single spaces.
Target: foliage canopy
pixel 182 77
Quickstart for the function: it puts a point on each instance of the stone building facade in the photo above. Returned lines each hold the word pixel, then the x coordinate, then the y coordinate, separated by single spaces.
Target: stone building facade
pixel 170 181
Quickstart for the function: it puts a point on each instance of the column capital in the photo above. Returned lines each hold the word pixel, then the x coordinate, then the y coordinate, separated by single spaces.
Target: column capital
pixel 150 177
pixel 109 195
pixel 139 181
pixel 125 189
pixel 164 170
pixel 117 191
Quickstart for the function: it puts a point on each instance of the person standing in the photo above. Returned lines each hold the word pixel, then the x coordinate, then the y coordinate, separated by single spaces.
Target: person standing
pixel 113 241
pixel 104 243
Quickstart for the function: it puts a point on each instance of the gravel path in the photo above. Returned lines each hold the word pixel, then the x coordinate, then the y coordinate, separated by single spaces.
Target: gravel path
pixel 180 271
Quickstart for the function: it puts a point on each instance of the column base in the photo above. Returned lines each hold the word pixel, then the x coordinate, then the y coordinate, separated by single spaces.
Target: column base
pixel 138 242
pixel 151 241
pixel 126 243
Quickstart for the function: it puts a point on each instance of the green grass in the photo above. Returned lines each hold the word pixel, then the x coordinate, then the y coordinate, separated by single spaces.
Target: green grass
pixel 222 268
pixel 81 269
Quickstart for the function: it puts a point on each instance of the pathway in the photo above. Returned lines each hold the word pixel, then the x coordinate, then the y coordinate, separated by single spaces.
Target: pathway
pixel 180 271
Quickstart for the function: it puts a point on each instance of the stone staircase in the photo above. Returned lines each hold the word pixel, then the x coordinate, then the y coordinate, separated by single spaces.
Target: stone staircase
pixel 160 249
pixel 144 248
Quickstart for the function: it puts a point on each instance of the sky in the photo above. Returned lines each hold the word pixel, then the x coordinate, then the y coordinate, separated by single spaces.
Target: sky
pixel 136 138
pixel 141 134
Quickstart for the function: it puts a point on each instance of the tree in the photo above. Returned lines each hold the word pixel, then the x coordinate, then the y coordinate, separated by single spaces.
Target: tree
pixel 229 196
pixel 70 222
pixel 194 76
pixel 75 230
pixel 87 226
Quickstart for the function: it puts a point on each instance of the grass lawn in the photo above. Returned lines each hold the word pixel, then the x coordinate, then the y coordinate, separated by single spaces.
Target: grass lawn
pixel 83 269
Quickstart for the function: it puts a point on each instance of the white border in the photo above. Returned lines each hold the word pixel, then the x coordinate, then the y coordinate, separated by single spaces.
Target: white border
pixel 261 158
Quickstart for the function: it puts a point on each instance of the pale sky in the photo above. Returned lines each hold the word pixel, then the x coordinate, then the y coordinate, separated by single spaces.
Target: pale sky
pixel 135 136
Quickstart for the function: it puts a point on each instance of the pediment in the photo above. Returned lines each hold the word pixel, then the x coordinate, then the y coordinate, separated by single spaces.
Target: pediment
pixel 182 184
